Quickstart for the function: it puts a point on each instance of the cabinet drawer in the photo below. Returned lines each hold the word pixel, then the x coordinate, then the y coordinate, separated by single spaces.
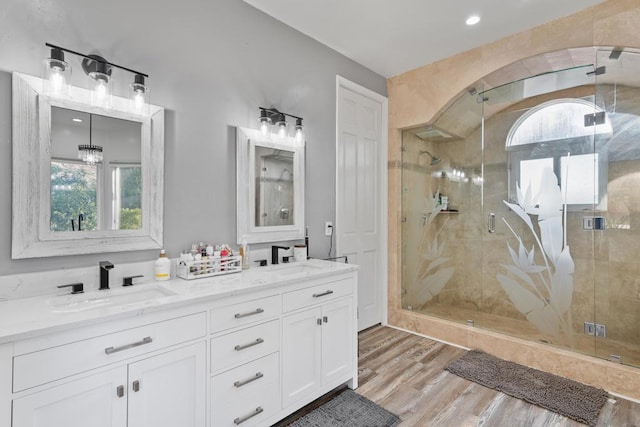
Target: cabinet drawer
pixel 315 295
pixel 245 313
pixel 32 369
pixel 250 391
pixel 245 345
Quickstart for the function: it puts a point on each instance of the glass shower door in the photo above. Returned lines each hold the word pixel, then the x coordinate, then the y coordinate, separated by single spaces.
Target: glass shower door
pixel 540 176
pixel 442 214
pixel 617 270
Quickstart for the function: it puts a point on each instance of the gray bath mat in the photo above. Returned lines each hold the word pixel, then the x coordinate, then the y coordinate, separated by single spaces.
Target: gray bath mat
pixel 566 397
pixel 348 409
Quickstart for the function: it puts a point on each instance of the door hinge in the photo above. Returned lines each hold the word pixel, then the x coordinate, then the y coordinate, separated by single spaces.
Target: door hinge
pixel 594 119
pixel 598 71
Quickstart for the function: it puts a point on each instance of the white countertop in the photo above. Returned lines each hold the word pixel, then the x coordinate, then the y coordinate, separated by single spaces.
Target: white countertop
pixel 25 317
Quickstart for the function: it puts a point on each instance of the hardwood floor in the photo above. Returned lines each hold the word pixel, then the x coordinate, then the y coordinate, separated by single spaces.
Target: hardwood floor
pixel 405 374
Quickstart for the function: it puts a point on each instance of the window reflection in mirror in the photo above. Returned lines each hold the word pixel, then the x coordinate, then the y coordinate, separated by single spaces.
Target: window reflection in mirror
pixel 274 187
pixel 104 196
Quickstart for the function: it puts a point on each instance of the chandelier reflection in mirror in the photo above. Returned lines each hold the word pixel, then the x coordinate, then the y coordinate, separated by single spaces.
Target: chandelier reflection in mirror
pixel 272 118
pixel 89 153
pixel 57 76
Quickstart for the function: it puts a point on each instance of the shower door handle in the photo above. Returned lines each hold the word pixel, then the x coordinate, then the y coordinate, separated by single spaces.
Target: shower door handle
pixel 491 223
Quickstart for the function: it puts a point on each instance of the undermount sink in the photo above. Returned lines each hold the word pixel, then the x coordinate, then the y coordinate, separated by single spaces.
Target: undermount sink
pixel 295 268
pixel 95 299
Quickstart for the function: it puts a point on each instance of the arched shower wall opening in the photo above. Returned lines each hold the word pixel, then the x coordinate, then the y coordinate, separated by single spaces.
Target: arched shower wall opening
pixel 529 222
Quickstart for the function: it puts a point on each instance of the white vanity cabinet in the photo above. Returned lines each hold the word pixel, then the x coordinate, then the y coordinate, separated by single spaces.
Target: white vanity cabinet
pixel 245 351
pixel 318 340
pixel 137 377
pixel 245 358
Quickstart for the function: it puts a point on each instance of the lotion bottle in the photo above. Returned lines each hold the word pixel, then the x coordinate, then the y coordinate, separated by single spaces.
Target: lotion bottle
pixel 162 267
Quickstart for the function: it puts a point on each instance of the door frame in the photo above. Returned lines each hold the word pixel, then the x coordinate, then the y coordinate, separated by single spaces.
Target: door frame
pixel 382 178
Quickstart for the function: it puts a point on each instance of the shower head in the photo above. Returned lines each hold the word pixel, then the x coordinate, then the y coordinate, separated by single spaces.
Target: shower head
pixel 434 160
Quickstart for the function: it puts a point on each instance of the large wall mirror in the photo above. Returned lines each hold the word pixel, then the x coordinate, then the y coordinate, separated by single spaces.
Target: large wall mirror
pixel 270 187
pixel 64 205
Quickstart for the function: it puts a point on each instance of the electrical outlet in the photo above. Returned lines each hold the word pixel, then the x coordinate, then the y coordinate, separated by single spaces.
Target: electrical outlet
pixel 328 228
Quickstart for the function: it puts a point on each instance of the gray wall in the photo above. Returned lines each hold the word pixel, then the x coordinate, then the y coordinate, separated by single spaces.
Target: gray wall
pixel 211 64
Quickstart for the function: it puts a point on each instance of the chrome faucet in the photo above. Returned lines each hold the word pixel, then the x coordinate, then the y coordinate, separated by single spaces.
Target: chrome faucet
pixel 274 253
pixel 105 266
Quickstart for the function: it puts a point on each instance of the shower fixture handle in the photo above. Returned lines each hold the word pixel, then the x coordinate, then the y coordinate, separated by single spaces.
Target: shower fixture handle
pixel 491 223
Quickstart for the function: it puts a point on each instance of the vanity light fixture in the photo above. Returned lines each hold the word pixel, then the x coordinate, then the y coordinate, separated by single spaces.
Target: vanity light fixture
pixel 57 73
pixel 99 71
pixel 278 118
pixel 139 94
pixel 299 130
pixel 89 153
pixel 265 122
pixel 281 126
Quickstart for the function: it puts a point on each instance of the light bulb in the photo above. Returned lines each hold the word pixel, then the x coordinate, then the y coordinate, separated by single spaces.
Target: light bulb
pixel 264 128
pixel 282 130
pixel 139 95
pixel 56 81
pixel 101 90
pixel 299 131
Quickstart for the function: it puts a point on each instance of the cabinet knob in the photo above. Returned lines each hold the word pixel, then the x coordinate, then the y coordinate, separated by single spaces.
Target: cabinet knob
pixel 325 319
pixel 319 322
pixel 136 386
pixel 120 391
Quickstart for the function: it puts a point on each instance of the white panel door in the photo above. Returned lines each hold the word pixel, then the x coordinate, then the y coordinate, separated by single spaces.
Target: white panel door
pixel 169 390
pixel 301 355
pixel 96 401
pixel 337 340
pixel 361 194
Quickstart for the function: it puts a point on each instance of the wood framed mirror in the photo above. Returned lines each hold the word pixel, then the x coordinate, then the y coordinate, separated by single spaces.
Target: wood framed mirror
pixel 270 187
pixel 64 206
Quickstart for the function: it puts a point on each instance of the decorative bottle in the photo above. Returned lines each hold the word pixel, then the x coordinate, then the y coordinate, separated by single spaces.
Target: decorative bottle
pixel 162 267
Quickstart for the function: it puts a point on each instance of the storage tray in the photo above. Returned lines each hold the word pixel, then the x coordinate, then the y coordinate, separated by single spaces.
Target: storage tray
pixel 212 266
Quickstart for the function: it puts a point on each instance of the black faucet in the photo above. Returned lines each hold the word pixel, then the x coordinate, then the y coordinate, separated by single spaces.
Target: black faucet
pixel 274 253
pixel 105 266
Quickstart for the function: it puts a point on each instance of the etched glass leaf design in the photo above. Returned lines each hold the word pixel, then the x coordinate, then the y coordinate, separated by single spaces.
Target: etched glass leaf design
pixel 562 289
pixel 431 285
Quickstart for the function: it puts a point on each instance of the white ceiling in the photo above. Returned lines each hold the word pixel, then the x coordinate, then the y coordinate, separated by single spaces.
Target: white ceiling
pixel 394 36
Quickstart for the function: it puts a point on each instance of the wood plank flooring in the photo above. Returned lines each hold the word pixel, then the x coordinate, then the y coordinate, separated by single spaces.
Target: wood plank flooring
pixel 405 374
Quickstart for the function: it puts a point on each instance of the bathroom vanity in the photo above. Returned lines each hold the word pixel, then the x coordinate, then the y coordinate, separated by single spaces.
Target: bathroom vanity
pixel 243 349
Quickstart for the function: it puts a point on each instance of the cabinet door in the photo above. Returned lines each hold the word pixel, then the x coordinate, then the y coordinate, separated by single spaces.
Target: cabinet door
pixel 169 390
pixel 95 401
pixel 301 353
pixel 338 336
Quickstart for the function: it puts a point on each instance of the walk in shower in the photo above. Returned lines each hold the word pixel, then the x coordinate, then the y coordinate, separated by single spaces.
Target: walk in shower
pixel 521 204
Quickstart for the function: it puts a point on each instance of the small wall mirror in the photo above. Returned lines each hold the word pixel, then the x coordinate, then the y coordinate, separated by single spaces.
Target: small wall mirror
pixel 64 205
pixel 270 187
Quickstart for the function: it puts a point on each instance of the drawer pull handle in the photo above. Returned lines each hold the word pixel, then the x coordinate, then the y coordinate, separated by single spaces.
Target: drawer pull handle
pixel 251 344
pixel 120 391
pixel 111 350
pixel 322 294
pixel 136 386
pixel 257 376
pixel 251 313
pixel 325 319
pixel 240 420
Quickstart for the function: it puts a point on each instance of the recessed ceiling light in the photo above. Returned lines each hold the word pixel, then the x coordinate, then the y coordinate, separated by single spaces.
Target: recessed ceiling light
pixel 77 120
pixel 473 20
